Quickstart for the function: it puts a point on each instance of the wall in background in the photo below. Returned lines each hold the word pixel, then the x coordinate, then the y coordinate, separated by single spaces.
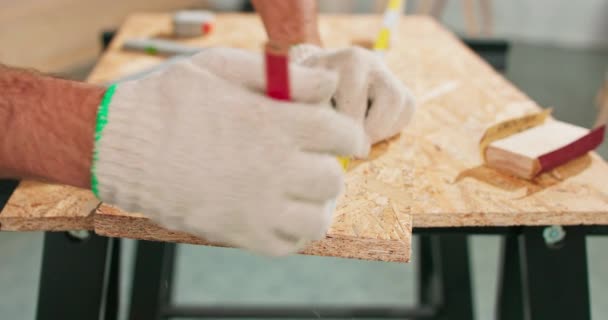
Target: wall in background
pixel 580 23
pixel 52 35
pixel 568 23
pixel 55 35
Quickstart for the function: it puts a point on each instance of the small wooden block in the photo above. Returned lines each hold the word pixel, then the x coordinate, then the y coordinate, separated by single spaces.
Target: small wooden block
pixel 542 148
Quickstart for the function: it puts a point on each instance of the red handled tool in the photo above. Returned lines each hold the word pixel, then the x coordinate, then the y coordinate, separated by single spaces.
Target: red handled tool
pixel 277 78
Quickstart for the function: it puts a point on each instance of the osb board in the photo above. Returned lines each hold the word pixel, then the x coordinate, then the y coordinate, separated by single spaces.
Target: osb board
pixel 113 222
pixel 367 225
pixel 39 206
pixel 433 170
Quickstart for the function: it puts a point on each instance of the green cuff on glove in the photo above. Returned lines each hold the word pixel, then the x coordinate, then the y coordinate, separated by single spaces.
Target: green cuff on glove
pixel 102 120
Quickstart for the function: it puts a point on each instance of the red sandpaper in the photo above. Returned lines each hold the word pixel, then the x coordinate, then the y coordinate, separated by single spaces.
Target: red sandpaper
pixel 277 76
pixel 573 150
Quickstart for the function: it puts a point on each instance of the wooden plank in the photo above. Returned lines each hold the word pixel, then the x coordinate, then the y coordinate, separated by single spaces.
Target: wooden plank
pixel 111 221
pixel 376 228
pixel 433 170
pixel 38 206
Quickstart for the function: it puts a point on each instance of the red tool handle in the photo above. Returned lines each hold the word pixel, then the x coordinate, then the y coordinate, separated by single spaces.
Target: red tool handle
pixel 277 71
pixel 277 78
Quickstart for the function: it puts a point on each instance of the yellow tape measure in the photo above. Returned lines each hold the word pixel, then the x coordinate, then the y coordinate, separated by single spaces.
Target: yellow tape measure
pixel 392 13
pixel 344 162
pixel 395 4
pixel 393 10
pixel 383 39
pixel 510 127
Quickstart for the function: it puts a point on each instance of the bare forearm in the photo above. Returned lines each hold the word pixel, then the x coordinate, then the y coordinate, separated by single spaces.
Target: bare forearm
pixel 46 127
pixel 291 21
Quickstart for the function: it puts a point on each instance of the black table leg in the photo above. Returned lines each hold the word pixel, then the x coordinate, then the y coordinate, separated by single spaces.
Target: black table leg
pixel 152 280
pixel 113 288
pixel 509 303
pixel 555 281
pixel 451 260
pixel 73 279
pixel 6 190
pixel 427 279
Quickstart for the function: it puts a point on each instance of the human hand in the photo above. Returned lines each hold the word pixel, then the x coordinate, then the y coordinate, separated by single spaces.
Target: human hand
pixel 367 91
pixel 199 148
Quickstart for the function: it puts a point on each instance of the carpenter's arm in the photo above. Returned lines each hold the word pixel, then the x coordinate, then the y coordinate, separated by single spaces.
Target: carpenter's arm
pixel 289 22
pixel 46 127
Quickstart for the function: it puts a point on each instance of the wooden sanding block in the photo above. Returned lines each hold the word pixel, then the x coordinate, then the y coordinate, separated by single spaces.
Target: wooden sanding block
pixel 530 145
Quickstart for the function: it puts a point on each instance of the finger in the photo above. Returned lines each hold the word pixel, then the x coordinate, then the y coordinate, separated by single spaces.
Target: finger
pixel 265 242
pixel 353 65
pixel 171 222
pixel 308 85
pixel 271 243
pixel 351 96
pixel 314 177
pixel 409 107
pixel 391 108
pixel 305 220
pixel 323 130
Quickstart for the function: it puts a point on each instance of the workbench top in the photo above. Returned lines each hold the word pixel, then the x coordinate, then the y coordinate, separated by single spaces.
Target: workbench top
pixel 432 172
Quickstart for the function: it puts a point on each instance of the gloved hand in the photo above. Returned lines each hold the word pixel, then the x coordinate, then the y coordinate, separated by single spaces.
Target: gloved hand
pixel 367 91
pixel 199 148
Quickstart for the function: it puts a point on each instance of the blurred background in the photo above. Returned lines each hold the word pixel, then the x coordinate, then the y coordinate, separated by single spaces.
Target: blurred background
pixel 558 54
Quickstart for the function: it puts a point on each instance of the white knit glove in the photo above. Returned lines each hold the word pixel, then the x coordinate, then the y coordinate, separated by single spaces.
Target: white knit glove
pixel 367 92
pixel 199 148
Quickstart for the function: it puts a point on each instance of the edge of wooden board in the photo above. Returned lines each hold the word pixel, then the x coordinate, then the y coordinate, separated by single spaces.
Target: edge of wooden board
pixel 39 206
pixel 112 222
pixel 513 219
pixel 47 224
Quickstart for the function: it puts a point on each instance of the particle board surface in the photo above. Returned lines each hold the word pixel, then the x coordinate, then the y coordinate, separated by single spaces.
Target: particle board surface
pixel 111 221
pixel 375 228
pixel 431 172
pixel 39 206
